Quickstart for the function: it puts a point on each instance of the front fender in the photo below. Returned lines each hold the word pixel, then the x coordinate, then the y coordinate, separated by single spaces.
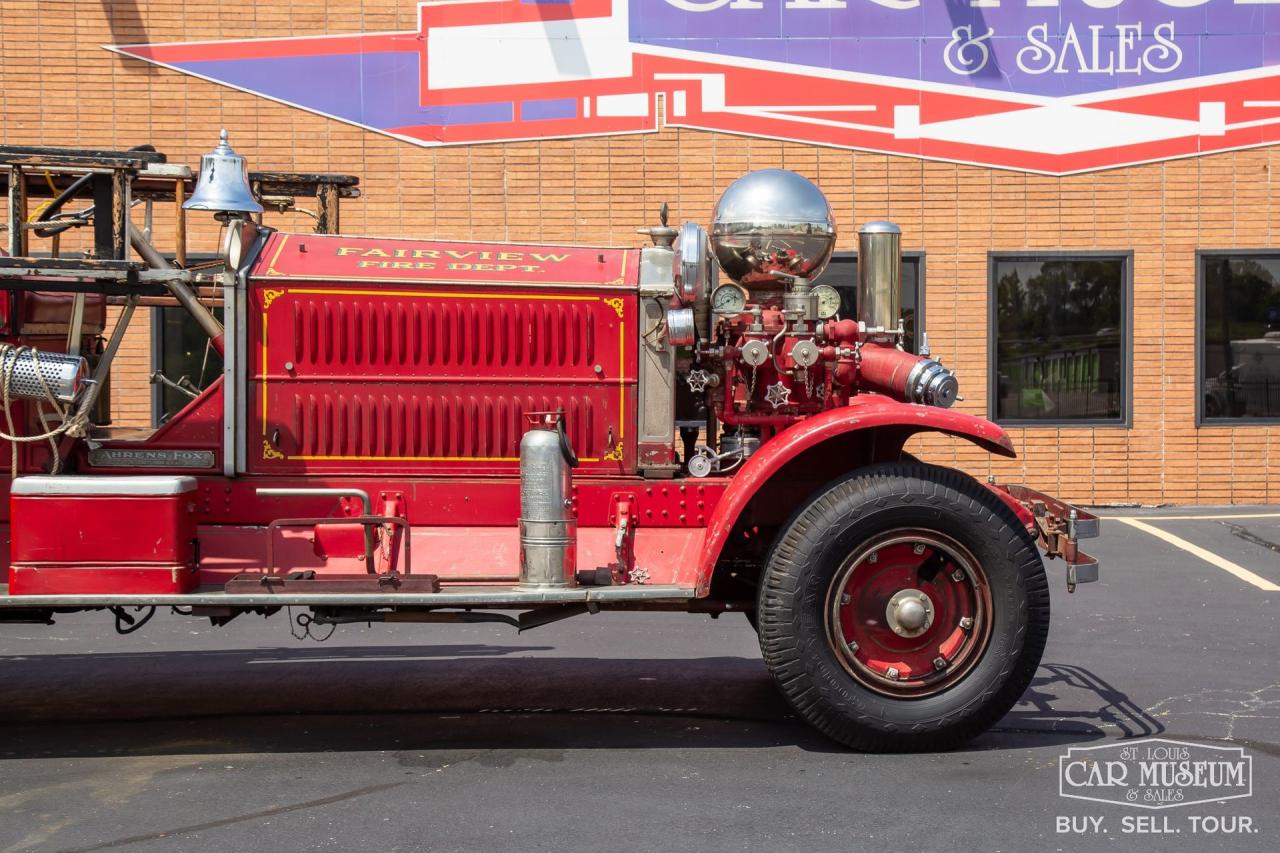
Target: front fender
pixel 893 423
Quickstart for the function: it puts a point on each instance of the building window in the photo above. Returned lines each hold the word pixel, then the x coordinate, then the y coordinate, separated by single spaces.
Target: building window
pixel 842 274
pixel 1060 352
pixel 1239 337
pixel 180 349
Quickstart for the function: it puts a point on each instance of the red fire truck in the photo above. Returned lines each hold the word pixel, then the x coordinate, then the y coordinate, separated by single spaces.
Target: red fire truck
pixel 426 431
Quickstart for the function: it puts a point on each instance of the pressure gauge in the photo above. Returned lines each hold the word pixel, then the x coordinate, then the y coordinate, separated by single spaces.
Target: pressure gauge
pixel 828 301
pixel 728 299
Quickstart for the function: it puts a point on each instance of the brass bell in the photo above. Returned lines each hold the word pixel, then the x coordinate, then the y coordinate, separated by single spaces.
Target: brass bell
pixel 224 183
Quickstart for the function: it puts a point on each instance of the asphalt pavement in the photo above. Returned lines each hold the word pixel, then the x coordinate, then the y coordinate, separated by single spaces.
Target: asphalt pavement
pixel 633 731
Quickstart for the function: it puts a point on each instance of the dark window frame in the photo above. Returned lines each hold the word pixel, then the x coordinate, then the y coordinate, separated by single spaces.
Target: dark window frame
pixel 919 258
pixel 1201 302
pixel 157 362
pixel 1125 421
pixel 156 325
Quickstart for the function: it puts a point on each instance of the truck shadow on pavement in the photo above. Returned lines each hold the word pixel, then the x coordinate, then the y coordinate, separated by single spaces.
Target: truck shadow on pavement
pixel 1069 704
pixel 479 696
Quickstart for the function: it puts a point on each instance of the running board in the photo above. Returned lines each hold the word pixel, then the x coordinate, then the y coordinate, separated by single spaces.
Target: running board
pixel 449 596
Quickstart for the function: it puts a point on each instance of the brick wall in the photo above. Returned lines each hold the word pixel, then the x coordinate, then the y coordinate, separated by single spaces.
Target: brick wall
pixel 57 86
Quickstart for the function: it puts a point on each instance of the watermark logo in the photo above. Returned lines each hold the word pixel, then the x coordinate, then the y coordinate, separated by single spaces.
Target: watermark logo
pixel 1155 773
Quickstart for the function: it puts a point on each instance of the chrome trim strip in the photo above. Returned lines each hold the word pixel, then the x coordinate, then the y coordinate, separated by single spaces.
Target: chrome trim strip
pixel 390 284
pixel 73 485
pixel 478 596
pixel 230 363
pixel 235 353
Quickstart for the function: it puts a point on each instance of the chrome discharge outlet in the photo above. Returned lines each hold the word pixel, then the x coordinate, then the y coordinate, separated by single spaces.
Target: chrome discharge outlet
pixel 880 277
pixel 548 528
pixel 932 384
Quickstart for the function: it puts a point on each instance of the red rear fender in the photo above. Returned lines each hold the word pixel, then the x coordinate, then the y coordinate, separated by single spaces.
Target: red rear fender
pixel 798 460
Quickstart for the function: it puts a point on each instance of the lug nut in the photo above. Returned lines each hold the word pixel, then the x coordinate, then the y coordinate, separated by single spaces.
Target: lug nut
pixel 939 663
pixel 845 598
pixel 853 645
pixel 892 672
pixel 966 622
pixel 957 575
pixel 919 548
pixel 873 556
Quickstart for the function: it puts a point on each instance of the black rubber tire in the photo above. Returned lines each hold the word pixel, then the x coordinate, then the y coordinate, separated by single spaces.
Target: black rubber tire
pixel 803 564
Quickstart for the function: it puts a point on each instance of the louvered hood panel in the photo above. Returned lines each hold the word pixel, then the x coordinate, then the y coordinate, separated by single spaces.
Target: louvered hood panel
pixel 333 336
pixel 376 379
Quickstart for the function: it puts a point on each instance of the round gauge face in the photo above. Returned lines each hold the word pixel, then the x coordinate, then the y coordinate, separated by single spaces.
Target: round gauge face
pixel 728 299
pixel 828 301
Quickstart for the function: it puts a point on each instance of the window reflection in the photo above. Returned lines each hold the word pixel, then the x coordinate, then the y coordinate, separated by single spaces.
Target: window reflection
pixel 1059 339
pixel 1240 355
pixel 182 352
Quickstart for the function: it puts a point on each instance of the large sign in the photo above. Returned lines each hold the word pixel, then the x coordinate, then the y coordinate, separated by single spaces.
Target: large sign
pixel 390 260
pixel 1053 86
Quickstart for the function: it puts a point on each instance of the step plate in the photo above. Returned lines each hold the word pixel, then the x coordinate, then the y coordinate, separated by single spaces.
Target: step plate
pixel 262 584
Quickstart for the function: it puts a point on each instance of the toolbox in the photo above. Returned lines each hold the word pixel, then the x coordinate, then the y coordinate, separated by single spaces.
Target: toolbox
pixel 100 535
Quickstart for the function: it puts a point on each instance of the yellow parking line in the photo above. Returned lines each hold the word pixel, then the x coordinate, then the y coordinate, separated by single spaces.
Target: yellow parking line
pixel 1198 517
pixel 1208 556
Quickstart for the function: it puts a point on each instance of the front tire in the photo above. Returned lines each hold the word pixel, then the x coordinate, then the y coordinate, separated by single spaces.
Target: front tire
pixel 904 607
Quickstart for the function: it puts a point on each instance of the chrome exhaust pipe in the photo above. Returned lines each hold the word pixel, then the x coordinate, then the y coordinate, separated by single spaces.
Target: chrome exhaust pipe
pixel 880 278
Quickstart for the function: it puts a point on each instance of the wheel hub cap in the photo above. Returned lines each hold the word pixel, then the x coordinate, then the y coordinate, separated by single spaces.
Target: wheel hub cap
pixel 908 614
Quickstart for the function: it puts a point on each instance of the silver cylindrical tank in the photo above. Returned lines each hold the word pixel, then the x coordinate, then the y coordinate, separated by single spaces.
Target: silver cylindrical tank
pixel 880 276
pixel 548 528
pixel 64 375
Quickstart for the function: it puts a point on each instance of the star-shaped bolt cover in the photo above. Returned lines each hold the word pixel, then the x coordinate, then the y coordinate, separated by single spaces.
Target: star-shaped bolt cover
pixel 777 395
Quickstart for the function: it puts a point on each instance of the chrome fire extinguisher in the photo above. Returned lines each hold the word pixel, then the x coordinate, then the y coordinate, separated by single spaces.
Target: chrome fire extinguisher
pixel 548 527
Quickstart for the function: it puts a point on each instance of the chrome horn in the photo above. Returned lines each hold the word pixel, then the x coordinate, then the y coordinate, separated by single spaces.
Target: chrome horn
pixel 224 183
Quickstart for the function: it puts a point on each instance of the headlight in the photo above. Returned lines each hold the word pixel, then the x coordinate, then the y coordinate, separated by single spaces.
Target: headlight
pixel 692 264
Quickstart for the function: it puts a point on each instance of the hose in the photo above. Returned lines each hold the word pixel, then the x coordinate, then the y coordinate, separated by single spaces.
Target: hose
pixel 127 624
pixel 46 213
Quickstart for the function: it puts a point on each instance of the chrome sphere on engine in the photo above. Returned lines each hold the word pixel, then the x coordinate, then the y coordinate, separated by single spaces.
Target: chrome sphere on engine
pixel 771 221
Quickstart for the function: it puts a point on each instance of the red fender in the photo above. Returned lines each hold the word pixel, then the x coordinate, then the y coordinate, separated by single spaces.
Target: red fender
pixel 864 412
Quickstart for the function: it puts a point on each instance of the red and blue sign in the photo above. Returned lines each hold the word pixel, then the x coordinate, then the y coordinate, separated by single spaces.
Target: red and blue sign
pixel 1052 86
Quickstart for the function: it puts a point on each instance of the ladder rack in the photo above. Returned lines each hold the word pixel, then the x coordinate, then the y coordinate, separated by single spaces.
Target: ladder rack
pixel 115 181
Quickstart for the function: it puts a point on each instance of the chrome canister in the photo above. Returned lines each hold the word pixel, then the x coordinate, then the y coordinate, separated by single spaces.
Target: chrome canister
pixel 548 528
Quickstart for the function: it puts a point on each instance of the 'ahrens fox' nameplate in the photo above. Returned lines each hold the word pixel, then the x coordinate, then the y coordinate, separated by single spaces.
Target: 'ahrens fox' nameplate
pixel 116 457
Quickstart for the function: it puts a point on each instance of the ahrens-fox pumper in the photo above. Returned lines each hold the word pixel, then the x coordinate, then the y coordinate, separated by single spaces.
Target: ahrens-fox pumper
pixel 409 430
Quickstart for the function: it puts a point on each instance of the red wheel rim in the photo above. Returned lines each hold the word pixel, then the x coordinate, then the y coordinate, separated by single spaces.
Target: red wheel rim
pixel 909 613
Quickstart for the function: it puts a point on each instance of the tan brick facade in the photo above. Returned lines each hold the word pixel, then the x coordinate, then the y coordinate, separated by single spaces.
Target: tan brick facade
pixel 58 86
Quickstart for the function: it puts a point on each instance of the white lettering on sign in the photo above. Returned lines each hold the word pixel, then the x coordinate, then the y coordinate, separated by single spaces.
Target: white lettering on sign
pixel 967 54
pixel 712 5
pixel 1093 49
pixel 1096 53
